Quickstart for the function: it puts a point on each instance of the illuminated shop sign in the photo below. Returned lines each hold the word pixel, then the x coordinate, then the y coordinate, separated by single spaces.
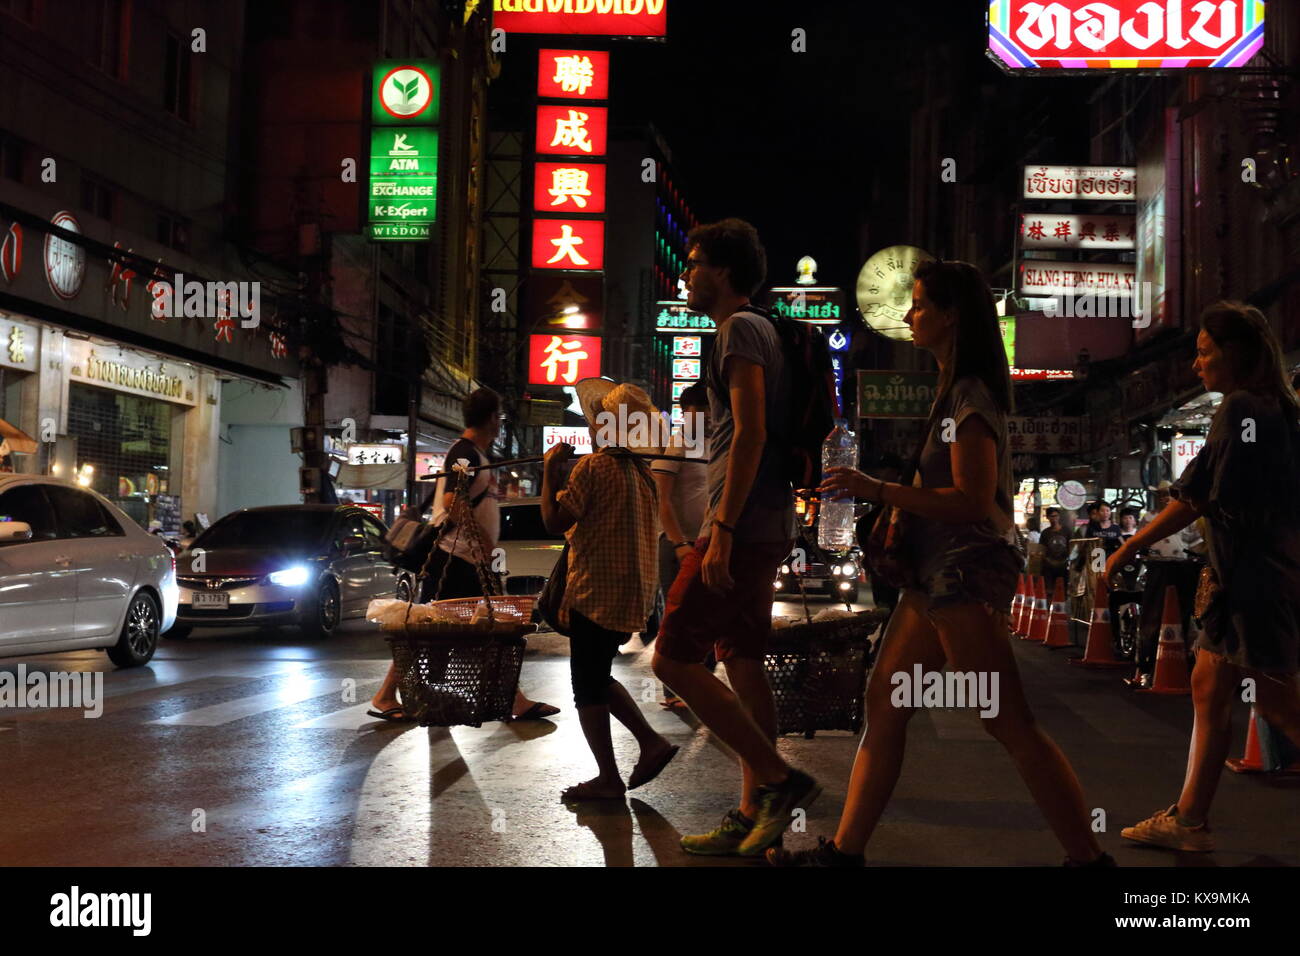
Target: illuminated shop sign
pixel 688 346
pixel 1044 277
pixel 1075 231
pixel 402 191
pixel 1124 34
pixel 573 74
pixel 568 244
pixel 675 317
pixel 1110 183
pixel 569 187
pixel 812 304
pixel 572 130
pixel 562 359
pixel 617 18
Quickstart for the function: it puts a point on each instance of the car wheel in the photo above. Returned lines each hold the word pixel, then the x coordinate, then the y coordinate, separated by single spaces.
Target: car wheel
pixel 140 631
pixel 325 612
pixel 179 632
pixel 404 588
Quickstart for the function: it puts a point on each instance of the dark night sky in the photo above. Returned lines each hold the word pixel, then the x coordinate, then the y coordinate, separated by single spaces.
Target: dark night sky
pixel 786 140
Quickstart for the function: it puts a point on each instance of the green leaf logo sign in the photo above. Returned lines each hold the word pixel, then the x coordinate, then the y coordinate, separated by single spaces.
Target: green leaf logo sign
pixel 407 93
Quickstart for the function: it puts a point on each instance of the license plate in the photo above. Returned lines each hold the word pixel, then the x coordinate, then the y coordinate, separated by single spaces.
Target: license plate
pixel 218 600
pixel 814 582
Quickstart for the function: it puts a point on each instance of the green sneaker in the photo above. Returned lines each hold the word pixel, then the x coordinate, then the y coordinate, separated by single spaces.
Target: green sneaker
pixel 724 841
pixel 776 806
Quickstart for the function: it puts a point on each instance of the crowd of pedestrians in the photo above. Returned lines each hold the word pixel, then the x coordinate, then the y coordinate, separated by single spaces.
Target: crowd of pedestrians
pixel 716 537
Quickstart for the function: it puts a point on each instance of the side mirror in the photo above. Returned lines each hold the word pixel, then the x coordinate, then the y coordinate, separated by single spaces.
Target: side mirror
pixel 354 544
pixel 15 531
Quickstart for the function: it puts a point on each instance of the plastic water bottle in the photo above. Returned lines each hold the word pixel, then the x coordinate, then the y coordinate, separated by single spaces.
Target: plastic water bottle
pixel 835 524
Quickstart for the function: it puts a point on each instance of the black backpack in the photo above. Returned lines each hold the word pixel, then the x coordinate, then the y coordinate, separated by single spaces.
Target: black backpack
pixel 812 409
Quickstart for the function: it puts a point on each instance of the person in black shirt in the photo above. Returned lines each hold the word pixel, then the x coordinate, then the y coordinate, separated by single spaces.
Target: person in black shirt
pixel 1104 528
pixel 1055 543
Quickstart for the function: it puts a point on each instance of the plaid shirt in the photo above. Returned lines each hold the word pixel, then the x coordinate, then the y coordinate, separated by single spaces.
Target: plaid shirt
pixel 613 553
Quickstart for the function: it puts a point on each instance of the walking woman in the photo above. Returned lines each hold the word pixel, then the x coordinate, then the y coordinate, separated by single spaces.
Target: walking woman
pixel 963 566
pixel 1244 483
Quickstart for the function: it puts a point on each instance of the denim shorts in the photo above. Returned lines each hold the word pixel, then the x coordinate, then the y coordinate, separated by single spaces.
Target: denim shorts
pixel 983 573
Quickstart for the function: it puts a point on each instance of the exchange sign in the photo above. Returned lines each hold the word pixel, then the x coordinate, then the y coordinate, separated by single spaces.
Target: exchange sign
pixel 403 191
pixel 1124 34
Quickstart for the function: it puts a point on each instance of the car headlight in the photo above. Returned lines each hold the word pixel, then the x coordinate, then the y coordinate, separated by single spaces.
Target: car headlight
pixel 294 577
pixel 785 569
pixel 849 570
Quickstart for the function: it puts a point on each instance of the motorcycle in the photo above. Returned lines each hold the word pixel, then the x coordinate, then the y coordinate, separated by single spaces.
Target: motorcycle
pixel 1126 599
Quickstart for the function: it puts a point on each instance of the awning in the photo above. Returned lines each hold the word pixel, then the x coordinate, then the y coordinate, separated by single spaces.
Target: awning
pixel 387 477
pixel 13 439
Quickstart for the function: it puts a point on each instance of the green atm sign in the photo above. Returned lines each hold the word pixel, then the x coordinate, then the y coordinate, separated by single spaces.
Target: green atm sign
pixel 402 191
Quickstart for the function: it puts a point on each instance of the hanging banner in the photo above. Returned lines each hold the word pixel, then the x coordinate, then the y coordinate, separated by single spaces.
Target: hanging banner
pixel 1124 34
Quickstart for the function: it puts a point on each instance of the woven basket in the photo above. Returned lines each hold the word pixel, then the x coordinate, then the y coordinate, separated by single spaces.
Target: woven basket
pixel 818 672
pixel 462 672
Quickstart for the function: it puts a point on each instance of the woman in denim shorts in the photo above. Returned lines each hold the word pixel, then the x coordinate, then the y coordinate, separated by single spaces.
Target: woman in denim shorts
pixel 964 562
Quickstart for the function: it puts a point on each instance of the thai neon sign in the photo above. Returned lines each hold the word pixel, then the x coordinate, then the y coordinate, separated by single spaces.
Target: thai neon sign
pixel 619 18
pixel 1124 34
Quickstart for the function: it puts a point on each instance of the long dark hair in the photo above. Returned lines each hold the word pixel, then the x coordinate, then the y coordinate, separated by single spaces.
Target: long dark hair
pixel 1252 350
pixel 977 340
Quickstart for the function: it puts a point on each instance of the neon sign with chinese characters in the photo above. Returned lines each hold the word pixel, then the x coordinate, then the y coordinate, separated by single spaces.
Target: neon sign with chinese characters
pixel 572 130
pixel 577 244
pixel 562 359
pixel 573 74
pixel 569 187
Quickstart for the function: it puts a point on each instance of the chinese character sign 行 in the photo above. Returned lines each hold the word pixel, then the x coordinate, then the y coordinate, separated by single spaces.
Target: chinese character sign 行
pixel 562 359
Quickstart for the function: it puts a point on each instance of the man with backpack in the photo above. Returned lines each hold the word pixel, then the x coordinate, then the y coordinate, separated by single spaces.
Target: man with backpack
pixel 722 596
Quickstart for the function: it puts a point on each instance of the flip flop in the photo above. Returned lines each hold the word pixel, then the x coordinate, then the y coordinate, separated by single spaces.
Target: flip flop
pixel 394 714
pixel 639 779
pixel 538 711
pixel 571 796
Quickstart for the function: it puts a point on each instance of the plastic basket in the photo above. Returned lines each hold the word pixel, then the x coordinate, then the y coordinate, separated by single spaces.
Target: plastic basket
pixel 818 672
pixel 462 671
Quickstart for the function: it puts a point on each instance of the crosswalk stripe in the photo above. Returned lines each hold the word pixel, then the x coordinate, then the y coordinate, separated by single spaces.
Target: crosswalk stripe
pixel 216 715
pixel 350 718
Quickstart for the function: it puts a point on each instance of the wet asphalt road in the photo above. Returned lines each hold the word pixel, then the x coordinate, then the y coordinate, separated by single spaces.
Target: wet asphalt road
pixel 242 748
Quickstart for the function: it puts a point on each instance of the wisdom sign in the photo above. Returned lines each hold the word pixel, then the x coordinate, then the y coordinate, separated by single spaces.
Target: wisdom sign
pixel 1124 34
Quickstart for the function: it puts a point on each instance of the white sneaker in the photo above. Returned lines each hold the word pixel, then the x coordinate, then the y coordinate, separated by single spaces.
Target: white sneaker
pixel 1163 829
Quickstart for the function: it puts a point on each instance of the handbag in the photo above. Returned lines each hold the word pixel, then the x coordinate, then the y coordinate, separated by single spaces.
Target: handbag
pixel 551 598
pixel 409 541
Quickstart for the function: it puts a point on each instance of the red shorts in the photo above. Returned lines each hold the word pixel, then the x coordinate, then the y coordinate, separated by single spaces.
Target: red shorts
pixel 736 623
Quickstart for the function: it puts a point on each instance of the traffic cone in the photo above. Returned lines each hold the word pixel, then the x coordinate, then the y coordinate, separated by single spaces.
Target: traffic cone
pixel 1058 634
pixel 1253 761
pixel 1027 609
pixel 1042 613
pixel 1171 656
pixel 1100 650
pixel 1018 605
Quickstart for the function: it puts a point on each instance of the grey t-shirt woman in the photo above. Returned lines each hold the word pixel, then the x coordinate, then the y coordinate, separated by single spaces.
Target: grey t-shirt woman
pixel 967 561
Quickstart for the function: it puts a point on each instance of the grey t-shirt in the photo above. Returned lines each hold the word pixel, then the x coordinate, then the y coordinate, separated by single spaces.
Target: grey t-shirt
pixel 768 514
pixel 933 539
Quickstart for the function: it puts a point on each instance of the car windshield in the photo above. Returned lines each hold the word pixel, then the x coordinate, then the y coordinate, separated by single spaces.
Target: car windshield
pixel 267 529
pixel 524 523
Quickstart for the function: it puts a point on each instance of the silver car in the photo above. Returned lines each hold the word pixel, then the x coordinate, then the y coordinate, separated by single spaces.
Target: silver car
pixel 76 572
pixel 305 565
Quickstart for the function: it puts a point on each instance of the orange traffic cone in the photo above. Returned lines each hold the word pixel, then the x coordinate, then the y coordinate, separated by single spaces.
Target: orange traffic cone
pixel 1042 613
pixel 1253 761
pixel 1099 652
pixel 1018 605
pixel 1171 656
pixel 1058 634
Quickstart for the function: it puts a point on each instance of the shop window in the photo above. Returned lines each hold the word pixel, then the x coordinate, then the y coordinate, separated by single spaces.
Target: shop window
pixel 178 78
pixel 111 37
pixel 173 232
pixel 96 198
pixel 124 446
